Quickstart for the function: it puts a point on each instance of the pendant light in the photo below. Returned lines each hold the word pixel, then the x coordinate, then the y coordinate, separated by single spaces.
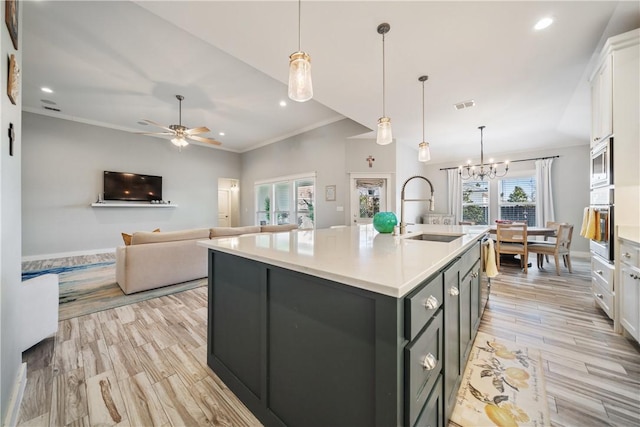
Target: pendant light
pixel 384 123
pixel 300 86
pixel 424 154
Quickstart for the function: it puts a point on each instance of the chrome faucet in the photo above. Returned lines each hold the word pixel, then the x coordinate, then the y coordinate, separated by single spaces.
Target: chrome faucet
pixel 403 225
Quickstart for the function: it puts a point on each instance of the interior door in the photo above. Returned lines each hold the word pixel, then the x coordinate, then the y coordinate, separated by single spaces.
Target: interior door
pixel 369 195
pixel 224 204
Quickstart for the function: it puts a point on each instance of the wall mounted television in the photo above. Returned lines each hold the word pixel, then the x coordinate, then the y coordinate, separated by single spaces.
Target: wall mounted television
pixel 132 187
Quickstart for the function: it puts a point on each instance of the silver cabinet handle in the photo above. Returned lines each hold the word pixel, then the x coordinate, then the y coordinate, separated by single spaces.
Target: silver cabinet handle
pixel 474 274
pixel 599 272
pixel 626 255
pixel 431 303
pixel 634 276
pixel 429 362
pixel 454 292
pixel 599 296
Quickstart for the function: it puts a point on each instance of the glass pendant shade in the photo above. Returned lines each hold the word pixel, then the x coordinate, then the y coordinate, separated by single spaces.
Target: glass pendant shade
pixel 424 154
pixel 179 142
pixel 384 131
pixel 300 87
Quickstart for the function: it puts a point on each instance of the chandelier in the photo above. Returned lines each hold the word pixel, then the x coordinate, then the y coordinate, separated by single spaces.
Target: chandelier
pixel 469 171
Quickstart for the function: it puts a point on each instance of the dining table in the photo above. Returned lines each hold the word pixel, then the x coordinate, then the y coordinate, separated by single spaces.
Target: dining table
pixel 533 231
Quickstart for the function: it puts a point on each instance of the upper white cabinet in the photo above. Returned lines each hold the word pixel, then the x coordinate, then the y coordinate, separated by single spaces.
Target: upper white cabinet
pixel 601 102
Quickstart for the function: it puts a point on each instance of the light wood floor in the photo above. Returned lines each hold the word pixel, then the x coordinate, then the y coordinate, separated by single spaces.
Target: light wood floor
pixel 145 364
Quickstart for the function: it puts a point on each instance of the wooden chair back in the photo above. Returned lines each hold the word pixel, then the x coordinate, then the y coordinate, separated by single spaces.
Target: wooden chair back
pixel 512 239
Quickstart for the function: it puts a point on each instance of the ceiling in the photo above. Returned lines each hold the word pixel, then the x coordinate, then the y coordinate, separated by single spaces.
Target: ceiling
pixel 115 63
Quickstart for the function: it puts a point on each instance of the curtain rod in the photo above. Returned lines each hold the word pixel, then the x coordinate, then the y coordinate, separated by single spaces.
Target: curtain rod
pixel 510 161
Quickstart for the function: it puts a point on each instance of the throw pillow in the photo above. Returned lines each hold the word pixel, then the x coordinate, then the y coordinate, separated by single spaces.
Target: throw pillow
pixel 127 237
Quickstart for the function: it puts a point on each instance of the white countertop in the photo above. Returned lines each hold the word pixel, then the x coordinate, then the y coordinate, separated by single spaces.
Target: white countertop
pixel 357 256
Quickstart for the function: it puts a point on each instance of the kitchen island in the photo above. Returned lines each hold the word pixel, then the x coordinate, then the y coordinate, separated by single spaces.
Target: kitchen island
pixel 345 326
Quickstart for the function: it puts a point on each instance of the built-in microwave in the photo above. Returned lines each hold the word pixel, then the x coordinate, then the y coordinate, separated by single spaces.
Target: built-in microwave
pixel 602 164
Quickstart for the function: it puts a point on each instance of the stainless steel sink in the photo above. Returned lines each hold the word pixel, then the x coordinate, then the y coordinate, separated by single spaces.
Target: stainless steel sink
pixel 436 237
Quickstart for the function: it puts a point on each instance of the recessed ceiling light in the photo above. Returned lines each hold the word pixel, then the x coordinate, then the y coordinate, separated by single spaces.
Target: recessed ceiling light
pixel 543 23
pixel 46 89
pixel 221 134
pixel 283 103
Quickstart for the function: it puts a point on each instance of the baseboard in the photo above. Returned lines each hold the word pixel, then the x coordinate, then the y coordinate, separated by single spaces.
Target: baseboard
pixel 68 254
pixel 580 254
pixel 13 409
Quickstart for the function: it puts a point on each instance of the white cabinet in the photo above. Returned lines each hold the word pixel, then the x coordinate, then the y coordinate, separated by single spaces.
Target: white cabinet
pixel 602 102
pixel 630 287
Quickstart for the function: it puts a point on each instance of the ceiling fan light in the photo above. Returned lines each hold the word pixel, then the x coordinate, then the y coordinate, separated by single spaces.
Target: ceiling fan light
pixel 424 153
pixel 300 86
pixel 179 142
pixel 384 131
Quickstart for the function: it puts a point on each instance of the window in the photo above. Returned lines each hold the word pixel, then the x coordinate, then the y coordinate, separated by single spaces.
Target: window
pixel 287 200
pixel 475 201
pixel 517 199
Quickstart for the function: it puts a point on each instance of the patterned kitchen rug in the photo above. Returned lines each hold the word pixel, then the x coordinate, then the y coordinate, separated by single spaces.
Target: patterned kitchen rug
pixel 502 385
pixel 89 288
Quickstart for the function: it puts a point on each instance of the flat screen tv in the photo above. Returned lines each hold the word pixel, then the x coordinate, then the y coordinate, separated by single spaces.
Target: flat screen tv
pixel 132 187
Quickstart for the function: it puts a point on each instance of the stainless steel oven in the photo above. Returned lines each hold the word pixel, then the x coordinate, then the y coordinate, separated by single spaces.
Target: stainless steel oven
pixel 602 164
pixel 602 204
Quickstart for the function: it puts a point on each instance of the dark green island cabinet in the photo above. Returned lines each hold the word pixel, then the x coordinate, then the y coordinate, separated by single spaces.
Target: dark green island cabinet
pixel 304 351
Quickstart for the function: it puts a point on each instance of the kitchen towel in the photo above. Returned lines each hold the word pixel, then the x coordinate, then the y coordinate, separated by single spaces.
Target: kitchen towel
pixel 490 268
pixel 585 222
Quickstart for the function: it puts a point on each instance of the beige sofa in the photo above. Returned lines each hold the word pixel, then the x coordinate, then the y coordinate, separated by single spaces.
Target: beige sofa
pixel 156 259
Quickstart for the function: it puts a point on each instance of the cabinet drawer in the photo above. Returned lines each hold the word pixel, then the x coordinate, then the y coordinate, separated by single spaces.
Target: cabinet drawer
pixel 630 254
pixel 603 273
pixel 433 412
pixel 603 297
pixel 421 306
pixel 469 259
pixel 423 363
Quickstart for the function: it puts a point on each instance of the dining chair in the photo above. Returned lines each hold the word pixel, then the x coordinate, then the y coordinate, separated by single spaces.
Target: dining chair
pixel 562 247
pixel 512 239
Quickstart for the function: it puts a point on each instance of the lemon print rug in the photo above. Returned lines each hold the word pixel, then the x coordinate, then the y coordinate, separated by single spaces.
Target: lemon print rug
pixel 502 385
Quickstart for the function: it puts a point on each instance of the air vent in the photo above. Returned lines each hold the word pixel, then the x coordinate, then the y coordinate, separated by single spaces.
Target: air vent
pixel 52 109
pixel 464 104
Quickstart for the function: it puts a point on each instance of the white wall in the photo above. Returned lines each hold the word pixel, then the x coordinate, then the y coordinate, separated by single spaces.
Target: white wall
pixel 10 224
pixel 322 150
pixel 570 174
pixel 62 172
pixel 407 165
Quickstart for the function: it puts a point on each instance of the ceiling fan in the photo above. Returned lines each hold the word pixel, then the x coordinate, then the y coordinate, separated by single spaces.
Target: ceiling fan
pixel 180 133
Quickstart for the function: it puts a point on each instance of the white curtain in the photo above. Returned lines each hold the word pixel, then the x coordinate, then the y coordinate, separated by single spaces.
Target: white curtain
pixel 544 196
pixel 455 194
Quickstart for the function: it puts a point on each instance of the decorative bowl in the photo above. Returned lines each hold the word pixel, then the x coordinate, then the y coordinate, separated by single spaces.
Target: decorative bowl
pixel 384 222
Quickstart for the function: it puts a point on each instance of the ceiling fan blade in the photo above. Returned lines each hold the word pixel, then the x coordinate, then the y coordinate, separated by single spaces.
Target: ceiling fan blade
pixel 193 131
pixel 151 122
pixel 156 133
pixel 202 139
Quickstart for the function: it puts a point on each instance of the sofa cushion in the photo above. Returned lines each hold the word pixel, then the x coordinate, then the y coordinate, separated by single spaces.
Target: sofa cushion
pixel 276 228
pixel 127 237
pixel 144 237
pixel 233 231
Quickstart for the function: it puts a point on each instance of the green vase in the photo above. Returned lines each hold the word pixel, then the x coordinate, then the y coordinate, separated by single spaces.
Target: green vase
pixel 384 222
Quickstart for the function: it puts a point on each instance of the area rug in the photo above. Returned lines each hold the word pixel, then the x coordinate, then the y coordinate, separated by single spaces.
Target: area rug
pixel 502 385
pixel 89 288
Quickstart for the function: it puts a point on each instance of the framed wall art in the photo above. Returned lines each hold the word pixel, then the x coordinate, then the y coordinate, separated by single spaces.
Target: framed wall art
pixel 330 193
pixel 11 18
pixel 13 80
